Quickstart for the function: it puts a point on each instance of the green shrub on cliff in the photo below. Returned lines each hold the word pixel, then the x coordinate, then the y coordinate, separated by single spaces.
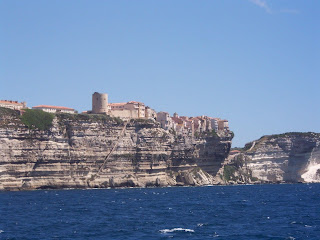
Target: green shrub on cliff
pixel 232 134
pixel 228 172
pixel 37 119
pixel 213 133
pixel 7 112
pixel 88 117
pixel 289 134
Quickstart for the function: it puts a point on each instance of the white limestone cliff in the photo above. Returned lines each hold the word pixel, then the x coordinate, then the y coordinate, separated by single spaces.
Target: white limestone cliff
pixel 283 158
pixel 82 152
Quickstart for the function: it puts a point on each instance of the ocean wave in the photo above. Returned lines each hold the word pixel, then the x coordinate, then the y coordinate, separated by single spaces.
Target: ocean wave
pixel 1 231
pixel 176 230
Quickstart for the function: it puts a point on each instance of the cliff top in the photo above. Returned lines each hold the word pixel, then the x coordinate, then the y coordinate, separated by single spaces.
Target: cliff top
pixel 255 144
pixel 291 134
pixel 38 119
pixel 87 117
pixel 7 112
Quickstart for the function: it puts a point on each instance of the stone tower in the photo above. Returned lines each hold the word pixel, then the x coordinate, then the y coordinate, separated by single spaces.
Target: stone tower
pixel 99 103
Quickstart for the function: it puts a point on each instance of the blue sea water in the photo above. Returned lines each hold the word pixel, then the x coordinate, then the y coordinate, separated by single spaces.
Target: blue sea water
pixel 217 212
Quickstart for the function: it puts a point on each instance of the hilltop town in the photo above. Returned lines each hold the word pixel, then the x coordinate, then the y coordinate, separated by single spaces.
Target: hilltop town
pixel 181 125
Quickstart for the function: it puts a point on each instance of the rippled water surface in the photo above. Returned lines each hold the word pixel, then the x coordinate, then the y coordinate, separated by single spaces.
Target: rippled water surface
pixel 228 212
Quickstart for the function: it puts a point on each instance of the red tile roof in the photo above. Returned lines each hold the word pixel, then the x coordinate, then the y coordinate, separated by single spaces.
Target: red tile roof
pixel 235 151
pixel 136 102
pixel 53 107
pixel 184 118
pixel 117 104
pixel 10 102
pixel 177 120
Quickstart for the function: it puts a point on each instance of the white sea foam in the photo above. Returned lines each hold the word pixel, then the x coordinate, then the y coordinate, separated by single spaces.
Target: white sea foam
pixel 311 174
pixel 215 235
pixel 176 230
pixel 1 231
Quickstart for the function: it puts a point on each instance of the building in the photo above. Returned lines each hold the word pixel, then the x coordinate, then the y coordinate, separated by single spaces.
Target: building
pixel 118 110
pixel 99 103
pixel 178 124
pixel 197 124
pixel 223 125
pixel 55 109
pixel 130 110
pixel 190 125
pixel 205 123
pixel 138 109
pixel 214 123
pixel 150 113
pixel 15 105
pixel 165 121
pixel 125 110
pixel 234 152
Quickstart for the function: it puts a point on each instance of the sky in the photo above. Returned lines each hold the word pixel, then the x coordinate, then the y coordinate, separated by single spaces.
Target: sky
pixel 255 63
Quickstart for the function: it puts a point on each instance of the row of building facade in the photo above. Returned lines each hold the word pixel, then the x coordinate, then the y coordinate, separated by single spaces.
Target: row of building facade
pixel 124 110
pixel 190 125
pixel 14 105
pixel 135 110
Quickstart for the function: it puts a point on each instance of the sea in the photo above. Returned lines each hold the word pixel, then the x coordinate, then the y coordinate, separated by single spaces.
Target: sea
pixel 284 211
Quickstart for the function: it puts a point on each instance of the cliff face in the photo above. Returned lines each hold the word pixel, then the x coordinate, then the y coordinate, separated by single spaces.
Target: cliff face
pixel 289 157
pixel 82 152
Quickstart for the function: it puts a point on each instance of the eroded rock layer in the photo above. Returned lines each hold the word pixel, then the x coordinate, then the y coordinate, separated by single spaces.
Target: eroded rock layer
pixel 85 153
pixel 283 158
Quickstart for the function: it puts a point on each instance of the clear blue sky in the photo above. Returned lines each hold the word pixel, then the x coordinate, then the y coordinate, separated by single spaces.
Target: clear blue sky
pixel 253 62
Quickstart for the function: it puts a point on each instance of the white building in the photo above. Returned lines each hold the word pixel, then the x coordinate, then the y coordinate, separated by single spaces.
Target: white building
pixel 54 109
pixel 15 105
pixel 150 113
pixel 223 125
pixel 165 121
pixel 214 123
pixel 131 110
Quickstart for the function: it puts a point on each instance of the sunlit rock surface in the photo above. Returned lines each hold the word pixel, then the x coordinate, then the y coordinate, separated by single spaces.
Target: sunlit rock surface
pixel 283 158
pixel 86 153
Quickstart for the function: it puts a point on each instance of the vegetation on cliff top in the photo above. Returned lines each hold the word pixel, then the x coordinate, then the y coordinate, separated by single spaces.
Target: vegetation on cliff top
pixel 277 136
pixel 7 112
pixel 9 117
pixel 37 119
pixel 88 117
pixel 290 134
pixel 144 123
